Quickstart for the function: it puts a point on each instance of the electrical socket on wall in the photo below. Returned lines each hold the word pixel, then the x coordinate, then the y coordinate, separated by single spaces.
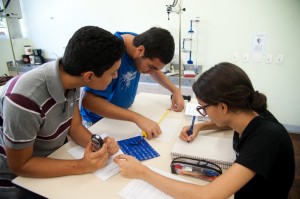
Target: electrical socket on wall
pixel 279 59
pixel 235 56
pixel 246 57
pixel 269 58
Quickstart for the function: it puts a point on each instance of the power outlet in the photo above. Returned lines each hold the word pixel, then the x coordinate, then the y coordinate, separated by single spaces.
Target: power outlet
pixel 269 58
pixel 279 59
pixel 235 56
pixel 246 57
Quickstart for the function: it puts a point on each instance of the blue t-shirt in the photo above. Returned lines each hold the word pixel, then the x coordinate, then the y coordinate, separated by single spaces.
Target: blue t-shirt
pixel 121 91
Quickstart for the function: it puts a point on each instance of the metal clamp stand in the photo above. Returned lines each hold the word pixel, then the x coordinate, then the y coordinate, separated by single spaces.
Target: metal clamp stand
pixel 10 40
pixel 179 10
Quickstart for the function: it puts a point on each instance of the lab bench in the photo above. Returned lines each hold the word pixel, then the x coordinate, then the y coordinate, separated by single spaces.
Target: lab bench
pixel 23 68
pixel 148 85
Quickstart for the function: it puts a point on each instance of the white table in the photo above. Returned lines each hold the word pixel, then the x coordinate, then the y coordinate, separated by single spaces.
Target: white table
pixel 88 185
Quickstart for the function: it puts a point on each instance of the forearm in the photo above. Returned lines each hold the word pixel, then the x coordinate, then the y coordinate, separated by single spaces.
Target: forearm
pixel 80 135
pixel 112 111
pixel 106 109
pixel 78 132
pixel 42 167
pixel 208 126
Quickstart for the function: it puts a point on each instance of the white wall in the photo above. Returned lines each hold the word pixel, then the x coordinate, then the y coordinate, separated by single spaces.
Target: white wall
pixel 225 27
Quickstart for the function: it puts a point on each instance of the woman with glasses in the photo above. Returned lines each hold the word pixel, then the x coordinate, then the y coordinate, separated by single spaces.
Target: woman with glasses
pixel 264 165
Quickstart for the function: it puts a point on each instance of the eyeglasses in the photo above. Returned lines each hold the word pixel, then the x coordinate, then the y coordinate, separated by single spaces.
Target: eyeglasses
pixel 201 109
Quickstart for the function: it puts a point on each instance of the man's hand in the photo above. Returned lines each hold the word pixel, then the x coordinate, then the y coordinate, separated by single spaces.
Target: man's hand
pixel 112 145
pixel 93 161
pixel 150 127
pixel 177 102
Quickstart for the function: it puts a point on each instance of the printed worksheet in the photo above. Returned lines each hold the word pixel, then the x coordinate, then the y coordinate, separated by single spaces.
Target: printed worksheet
pixel 137 189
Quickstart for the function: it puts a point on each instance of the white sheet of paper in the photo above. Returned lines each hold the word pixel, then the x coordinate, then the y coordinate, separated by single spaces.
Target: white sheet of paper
pixel 169 127
pixel 190 109
pixel 137 189
pixel 259 43
pixel 106 172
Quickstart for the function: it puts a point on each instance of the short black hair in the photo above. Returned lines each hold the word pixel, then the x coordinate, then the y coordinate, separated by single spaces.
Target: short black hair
pixel 158 43
pixel 91 49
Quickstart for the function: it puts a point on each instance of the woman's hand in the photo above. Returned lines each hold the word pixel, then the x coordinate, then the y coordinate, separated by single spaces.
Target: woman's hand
pixel 208 125
pixel 184 134
pixel 130 167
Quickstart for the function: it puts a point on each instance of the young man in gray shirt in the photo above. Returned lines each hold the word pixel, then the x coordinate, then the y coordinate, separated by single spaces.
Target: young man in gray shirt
pixel 40 108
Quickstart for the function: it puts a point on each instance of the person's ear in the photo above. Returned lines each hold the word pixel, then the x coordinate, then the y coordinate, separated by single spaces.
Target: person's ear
pixel 224 107
pixel 87 76
pixel 140 51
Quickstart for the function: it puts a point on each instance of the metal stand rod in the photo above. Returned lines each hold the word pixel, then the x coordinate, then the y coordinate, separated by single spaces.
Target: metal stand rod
pixel 12 48
pixel 180 64
pixel 10 40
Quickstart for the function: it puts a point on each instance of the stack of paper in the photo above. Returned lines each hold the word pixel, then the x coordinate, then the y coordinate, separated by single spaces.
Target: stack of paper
pixel 190 110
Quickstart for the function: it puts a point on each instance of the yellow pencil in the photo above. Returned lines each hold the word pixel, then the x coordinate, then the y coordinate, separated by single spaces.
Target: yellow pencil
pixel 144 134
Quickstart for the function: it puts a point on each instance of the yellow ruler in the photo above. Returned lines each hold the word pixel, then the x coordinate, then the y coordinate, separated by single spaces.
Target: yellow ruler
pixel 164 115
pixel 144 134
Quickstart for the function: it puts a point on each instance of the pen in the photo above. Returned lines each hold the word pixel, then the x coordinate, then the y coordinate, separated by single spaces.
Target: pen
pixel 192 126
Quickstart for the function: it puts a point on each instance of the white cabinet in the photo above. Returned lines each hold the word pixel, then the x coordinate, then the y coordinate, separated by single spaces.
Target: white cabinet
pixel 148 87
pixel 158 89
pixel 185 90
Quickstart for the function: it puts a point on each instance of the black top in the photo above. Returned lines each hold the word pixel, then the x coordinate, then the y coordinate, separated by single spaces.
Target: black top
pixel 265 147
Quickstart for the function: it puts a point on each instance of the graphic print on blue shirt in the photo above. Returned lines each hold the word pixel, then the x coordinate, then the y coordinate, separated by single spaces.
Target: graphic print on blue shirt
pixel 126 79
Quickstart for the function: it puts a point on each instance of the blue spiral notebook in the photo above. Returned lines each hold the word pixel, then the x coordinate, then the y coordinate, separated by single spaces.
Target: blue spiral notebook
pixel 138 147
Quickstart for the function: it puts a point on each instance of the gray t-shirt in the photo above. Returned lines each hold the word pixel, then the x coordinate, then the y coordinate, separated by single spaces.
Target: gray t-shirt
pixel 36 110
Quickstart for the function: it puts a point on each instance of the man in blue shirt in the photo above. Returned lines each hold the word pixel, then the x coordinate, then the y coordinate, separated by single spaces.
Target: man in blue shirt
pixel 145 53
